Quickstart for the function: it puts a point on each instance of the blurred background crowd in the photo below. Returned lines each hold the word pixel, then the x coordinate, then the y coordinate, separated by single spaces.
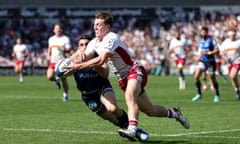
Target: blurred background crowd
pixel 147 37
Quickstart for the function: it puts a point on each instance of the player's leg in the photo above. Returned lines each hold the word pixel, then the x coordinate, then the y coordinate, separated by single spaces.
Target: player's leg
pixel 180 65
pixel 204 81
pixel 132 91
pixel 17 69
pixel 20 71
pixel 94 104
pixel 109 101
pixel 51 75
pixel 133 86
pixel 213 80
pixel 65 88
pixel 197 75
pixel 182 83
pixel 233 74
pixel 131 94
pixel 148 108
pixel 219 70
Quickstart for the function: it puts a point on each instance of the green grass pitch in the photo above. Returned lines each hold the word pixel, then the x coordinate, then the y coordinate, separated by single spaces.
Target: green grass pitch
pixel 34 113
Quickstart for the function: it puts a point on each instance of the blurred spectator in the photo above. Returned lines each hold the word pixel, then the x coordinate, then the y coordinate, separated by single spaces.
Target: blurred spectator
pixel 148 37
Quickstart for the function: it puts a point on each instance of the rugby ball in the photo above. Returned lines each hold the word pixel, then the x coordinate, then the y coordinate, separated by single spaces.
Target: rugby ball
pixel 60 66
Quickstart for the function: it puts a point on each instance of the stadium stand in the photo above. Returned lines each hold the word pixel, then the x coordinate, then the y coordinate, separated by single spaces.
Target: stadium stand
pixel 147 30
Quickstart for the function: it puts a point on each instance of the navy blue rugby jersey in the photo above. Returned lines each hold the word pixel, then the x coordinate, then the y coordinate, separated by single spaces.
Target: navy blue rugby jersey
pixel 207 45
pixel 88 80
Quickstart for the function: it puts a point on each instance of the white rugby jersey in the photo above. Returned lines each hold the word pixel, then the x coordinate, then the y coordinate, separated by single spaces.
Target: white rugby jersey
pixel 19 50
pixel 178 47
pixel 232 49
pixel 121 60
pixel 57 46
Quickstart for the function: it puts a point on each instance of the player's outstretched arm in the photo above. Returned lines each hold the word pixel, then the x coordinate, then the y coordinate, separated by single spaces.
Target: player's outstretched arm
pixel 103 70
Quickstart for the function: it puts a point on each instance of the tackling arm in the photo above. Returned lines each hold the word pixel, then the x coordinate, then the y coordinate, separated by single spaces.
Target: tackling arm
pixel 103 70
pixel 91 63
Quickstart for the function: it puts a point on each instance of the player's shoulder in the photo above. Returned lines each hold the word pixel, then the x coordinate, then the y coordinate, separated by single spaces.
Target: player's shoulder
pixel 93 41
pixel 226 40
pixel 210 37
pixel 173 40
pixel 65 36
pixel 112 35
pixel 51 38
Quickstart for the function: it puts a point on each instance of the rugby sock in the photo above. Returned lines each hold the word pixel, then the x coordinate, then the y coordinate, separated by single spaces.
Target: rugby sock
pixel 172 113
pixel 181 80
pixel 132 124
pixel 123 120
pixel 21 78
pixel 198 86
pixel 216 88
pixel 237 91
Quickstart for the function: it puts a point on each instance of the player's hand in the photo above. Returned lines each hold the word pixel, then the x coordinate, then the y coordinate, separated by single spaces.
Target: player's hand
pixel 204 52
pixel 81 57
pixel 68 73
pixel 71 69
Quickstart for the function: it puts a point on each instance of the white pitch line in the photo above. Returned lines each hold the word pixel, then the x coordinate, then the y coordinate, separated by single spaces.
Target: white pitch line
pixel 203 132
pixel 191 134
pixel 35 97
pixel 207 136
pixel 59 131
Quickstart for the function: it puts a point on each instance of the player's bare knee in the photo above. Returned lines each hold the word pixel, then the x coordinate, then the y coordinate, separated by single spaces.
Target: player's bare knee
pixel 111 108
pixel 50 77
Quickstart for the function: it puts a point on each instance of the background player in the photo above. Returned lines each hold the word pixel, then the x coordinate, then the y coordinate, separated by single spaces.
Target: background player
pixel 218 69
pixel 230 49
pixel 207 50
pixel 20 52
pixel 132 77
pixel 58 45
pixel 177 52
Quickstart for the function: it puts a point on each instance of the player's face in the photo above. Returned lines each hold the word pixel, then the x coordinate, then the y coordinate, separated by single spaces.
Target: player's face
pixel 203 33
pixel 57 30
pixel 177 35
pixel 100 28
pixel 19 41
pixel 82 44
pixel 232 36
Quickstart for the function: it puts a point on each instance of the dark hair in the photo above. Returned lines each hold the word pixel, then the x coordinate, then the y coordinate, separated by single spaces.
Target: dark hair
pixel 205 29
pixel 84 36
pixel 59 24
pixel 108 19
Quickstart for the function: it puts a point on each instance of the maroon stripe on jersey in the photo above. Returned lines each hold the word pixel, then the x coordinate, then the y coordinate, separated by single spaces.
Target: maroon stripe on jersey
pixel 125 56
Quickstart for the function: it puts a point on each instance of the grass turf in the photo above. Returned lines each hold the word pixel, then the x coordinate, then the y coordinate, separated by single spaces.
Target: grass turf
pixel 34 113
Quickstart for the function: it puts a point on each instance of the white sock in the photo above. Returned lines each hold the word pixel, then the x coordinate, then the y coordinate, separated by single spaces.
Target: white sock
pixel 65 94
pixel 21 78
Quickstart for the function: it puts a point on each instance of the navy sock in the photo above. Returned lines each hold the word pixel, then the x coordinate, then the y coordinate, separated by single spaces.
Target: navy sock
pixel 216 88
pixel 198 86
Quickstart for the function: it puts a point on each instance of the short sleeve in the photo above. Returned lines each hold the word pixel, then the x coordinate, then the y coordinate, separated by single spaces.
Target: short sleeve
pixel 67 43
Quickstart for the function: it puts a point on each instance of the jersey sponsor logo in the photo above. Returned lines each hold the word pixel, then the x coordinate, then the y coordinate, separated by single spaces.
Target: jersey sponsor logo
pixel 56 46
pixel 110 43
pixel 178 46
pixel 87 75
pixel 232 49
